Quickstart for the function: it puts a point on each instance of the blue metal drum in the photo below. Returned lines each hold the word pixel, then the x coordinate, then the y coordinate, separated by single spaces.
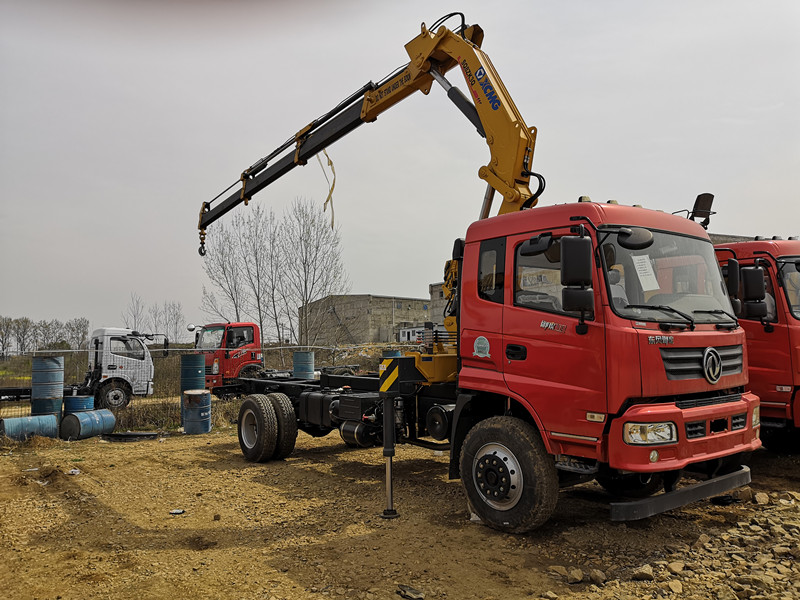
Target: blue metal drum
pixel 86 424
pixel 21 428
pixel 47 385
pixel 196 410
pixel 73 404
pixel 193 374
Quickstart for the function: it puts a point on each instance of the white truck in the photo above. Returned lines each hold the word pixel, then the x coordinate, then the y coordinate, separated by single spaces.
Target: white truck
pixel 120 367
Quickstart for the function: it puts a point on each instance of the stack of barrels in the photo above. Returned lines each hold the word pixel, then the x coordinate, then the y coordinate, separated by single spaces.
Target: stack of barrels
pixel 195 399
pixel 48 405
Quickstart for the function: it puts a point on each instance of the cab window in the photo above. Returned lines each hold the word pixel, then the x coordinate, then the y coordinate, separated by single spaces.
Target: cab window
pixel 127 347
pixel 240 336
pixel 537 280
pixel 491 270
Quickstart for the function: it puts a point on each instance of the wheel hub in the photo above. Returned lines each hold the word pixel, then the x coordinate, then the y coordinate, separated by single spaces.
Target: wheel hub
pixel 249 429
pixel 498 476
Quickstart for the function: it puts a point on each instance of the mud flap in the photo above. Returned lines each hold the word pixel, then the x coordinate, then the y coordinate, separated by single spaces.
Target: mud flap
pixel 640 509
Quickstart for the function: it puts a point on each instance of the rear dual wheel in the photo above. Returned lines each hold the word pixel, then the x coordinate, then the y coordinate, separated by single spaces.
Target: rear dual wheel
pixel 267 427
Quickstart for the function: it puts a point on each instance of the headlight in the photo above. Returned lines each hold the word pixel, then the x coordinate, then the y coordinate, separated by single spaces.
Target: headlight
pixel 649 433
pixel 756 416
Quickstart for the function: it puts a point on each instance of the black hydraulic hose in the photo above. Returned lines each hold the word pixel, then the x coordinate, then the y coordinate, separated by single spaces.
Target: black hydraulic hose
pixel 539 191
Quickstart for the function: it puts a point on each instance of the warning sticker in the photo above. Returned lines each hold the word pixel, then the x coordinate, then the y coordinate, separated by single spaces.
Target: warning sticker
pixel 644 270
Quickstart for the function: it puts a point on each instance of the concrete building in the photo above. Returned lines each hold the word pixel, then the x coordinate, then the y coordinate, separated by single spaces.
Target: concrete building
pixel 365 318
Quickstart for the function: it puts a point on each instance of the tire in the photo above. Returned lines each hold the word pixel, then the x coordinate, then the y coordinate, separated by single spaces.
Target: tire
pixel 113 396
pixel 501 447
pixel 635 485
pixel 258 428
pixel 287 425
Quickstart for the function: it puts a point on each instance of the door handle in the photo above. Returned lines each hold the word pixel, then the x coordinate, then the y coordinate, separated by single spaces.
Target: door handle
pixel 516 352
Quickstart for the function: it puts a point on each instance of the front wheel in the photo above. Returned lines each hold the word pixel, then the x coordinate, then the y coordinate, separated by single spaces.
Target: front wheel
pixel 113 395
pixel 509 477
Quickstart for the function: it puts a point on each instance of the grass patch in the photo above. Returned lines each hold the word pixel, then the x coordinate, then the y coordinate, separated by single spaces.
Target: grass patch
pixel 165 414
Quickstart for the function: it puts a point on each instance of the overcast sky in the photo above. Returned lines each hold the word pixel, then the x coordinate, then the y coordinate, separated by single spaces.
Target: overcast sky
pixel 117 119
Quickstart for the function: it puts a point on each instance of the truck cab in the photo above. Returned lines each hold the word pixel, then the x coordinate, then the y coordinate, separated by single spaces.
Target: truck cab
pixel 773 340
pixel 232 350
pixel 120 366
pixel 649 377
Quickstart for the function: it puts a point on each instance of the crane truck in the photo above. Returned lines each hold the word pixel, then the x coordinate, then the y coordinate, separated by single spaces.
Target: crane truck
pixel 586 341
pixel 773 333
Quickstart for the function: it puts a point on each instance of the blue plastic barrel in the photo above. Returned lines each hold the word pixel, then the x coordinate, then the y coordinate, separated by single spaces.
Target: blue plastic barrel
pixel 47 385
pixel 196 411
pixel 193 374
pixel 303 365
pixel 73 404
pixel 21 428
pixel 86 424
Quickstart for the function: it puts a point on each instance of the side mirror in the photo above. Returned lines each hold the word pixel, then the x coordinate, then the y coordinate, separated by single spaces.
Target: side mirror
pixel 576 277
pixel 166 347
pixel 190 327
pixel 576 261
pixel 753 289
pixel 635 238
pixel 733 277
pixel 536 245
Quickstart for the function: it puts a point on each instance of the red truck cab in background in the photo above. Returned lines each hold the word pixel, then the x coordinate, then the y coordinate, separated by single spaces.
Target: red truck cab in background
pixel 773 341
pixel 232 350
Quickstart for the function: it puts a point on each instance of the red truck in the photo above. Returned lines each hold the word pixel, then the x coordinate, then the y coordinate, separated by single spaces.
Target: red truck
pixel 232 350
pixel 586 341
pixel 773 338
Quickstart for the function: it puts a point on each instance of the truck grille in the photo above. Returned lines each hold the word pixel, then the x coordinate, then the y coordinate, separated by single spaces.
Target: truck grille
pixel 739 421
pixel 687 363
pixel 698 429
pixel 209 369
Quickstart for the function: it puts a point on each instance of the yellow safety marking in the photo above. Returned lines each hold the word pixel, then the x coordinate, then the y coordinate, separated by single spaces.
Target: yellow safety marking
pixel 389 379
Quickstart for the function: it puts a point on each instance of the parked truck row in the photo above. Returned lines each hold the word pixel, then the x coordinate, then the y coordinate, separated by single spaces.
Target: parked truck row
pixel 586 340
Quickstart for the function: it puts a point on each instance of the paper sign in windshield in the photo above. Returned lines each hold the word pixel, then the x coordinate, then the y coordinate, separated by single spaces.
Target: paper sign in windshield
pixel 644 270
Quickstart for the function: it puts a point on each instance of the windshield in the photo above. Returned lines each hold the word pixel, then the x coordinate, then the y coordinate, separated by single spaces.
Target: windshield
pixel 791 283
pixel 211 338
pixel 676 280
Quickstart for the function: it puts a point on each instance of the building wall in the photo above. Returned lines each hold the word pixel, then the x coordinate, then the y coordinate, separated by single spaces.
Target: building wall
pixel 364 318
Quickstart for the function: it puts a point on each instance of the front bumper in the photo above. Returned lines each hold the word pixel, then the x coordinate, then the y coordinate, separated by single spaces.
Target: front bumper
pixel 704 433
pixel 640 509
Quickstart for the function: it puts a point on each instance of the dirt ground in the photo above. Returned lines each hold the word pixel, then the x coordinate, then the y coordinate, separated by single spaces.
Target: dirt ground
pixel 93 519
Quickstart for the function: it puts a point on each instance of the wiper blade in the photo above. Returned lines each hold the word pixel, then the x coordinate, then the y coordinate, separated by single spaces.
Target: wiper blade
pixel 667 309
pixel 719 311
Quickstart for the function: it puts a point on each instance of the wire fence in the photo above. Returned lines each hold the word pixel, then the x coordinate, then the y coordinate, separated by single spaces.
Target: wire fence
pixel 162 408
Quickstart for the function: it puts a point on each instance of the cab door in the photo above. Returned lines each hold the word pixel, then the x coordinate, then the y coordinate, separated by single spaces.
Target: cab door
pixel 768 353
pixel 559 372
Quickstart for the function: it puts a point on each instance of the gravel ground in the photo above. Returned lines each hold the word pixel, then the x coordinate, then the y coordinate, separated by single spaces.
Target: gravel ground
pixel 93 519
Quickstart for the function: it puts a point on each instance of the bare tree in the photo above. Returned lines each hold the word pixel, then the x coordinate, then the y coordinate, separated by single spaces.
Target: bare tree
pixel 6 335
pixel 173 320
pixel 76 332
pixel 134 315
pixel 312 268
pixel 23 333
pixel 155 318
pixel 223 267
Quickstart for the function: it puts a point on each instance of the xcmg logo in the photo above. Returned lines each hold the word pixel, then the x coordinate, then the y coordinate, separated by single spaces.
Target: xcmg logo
pixel 488 88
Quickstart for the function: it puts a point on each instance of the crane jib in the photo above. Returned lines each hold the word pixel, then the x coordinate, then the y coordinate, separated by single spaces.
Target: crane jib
pixel 318 140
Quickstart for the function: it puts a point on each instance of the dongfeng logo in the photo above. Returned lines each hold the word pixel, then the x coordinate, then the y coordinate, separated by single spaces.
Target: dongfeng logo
pixel 712 365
